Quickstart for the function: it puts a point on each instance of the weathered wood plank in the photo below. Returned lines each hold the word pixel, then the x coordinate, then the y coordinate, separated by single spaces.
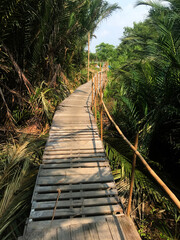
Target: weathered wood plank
pixel 73 137
pixel 50 234
pixel 76 203
pixel 64 233
pixel 75 171
pixel 43 224
pixel 75 187
pixel 74 160
pixel 128 228
pixel 90 132
pixel 77 232
pixel 115 228
pixel 75 165
pixel 75 212
pixel 103 231
pixel 93 231
pixel 72 179
pixel 35 235
pixel 97 193
pixel 70 140
pixel 75 145
pixel 73 127
pixel 87 232
pixel 68 151
pixel 74 155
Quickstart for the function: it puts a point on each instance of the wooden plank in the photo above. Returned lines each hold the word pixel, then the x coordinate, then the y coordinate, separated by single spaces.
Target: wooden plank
pixel 64 233
pixel 74 160
pixel 50 233
pixel 115 228
pixel 75 155
pixel 67 195
pixel 87 232
pixel 90 132
pixel 75 165
pixel 103 231
pixel 70 127
pixel 73 179
pixel 75 133
pixel 72 139
pixel 35 235
pixel 76 203
pixel 75 212
pixel 58 150
pixel 128 228
pixel 93 231
pixel 75 119
pixel 77 232
pixel 75 171
pixel 43 224
pixel 75 145
pixel 68 151
pixel 75 187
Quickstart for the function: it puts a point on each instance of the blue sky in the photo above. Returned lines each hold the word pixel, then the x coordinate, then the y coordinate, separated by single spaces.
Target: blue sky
pixel 111 29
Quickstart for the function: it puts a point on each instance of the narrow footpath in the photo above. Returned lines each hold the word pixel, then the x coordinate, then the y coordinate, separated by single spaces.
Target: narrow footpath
pixel 75 196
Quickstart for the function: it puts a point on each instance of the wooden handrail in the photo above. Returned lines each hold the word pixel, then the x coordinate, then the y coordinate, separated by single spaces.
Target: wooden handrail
pixel 134 148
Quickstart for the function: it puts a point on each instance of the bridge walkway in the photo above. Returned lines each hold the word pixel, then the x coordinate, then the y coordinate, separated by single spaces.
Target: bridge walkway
pixel 75 196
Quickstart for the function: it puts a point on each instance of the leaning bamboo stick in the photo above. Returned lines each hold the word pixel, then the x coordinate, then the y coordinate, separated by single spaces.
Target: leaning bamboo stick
pixel 151 171
pixel 54 210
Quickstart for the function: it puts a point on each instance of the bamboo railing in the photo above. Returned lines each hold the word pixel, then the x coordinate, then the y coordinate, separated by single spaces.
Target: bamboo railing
pixel 98 88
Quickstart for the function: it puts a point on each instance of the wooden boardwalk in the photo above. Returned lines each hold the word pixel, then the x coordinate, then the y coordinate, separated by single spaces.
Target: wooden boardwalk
pixel 74 162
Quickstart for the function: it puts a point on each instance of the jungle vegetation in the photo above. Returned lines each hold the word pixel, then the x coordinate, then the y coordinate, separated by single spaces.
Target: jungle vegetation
pixel 143 96
pixel 42 57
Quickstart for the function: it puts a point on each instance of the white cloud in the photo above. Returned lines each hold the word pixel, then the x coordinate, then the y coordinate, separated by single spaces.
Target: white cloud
pixel 111 29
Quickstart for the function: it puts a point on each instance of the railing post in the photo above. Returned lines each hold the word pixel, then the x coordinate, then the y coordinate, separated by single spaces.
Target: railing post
pixel 88 53
pixel 101 106
pixel 132 176
pixel 92 101
pixel 95 98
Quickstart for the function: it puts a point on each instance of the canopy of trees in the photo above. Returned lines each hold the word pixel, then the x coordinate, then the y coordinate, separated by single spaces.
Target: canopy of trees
pixel 42 41
pixel 105 52
pixel 146 84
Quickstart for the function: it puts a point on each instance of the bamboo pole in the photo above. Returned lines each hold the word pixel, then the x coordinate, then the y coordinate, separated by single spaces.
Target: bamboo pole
pixel 95 99
pixel 104 78
pixel 132 176
pixel 88 53
pixel 54 210
pixel 151 171
pixel 101 106
pixel 92 91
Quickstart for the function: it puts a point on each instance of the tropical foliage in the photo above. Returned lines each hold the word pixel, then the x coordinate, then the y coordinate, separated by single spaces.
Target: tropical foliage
pixel 143 97
pixel 42 58
pixel 105 52
pixel 42 41
pixel 145 86
pixel 18 168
